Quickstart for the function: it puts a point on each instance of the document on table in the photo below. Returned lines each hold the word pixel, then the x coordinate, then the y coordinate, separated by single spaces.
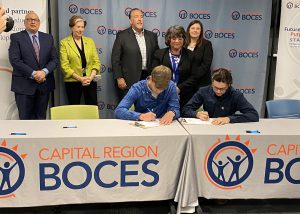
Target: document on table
pixel 195 121
pixel 145 125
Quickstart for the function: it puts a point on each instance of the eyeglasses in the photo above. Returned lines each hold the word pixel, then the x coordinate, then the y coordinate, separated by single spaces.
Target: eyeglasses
pixel 219 89
pixel 32 20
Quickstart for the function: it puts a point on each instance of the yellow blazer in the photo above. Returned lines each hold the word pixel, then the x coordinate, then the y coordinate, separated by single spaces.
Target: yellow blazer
pixel 70 60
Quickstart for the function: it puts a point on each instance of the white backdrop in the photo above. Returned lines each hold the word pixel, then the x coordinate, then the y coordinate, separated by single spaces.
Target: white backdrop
pixel 287 80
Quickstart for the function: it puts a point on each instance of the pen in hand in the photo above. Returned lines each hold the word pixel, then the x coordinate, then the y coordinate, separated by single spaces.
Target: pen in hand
pixel 202 115
pixel 150 110
pixel 148 116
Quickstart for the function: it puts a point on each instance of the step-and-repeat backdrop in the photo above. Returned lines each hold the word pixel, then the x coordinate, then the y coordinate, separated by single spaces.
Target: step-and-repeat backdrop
pixel 238 30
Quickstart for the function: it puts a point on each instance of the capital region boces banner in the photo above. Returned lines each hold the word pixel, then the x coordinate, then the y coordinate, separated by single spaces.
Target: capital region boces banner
pixel 238 30
pixel 287 80
pixel 17 10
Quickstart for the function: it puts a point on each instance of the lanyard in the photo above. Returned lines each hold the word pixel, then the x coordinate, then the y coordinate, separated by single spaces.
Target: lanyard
pixel 175 62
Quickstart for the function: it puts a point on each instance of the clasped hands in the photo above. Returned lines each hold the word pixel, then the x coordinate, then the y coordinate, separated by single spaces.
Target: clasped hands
pixel 203 115
pixel 86 81
pixel 122 83
pixel 165 120
pixel 39 76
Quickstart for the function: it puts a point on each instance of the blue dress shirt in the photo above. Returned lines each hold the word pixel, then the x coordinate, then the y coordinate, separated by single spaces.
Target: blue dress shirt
pixel 140 95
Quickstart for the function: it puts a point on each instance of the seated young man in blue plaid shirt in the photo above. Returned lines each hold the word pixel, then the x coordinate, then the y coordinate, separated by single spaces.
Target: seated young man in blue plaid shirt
pixel 153 98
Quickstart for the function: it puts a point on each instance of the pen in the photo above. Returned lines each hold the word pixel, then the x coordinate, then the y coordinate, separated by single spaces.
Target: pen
pixel 253 131
pixel 150 110
pixel 18 133
pixel 72 127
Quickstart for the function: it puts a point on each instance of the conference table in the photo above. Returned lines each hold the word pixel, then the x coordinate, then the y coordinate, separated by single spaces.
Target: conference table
pixel 48 162
pixel 90 161
pixel 246 160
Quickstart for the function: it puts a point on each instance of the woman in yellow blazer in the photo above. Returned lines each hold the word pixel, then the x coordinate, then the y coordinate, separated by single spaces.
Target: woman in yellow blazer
pixel 80 64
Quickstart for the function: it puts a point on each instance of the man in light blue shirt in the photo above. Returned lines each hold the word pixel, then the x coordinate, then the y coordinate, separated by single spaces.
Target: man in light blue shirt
pixel 155 97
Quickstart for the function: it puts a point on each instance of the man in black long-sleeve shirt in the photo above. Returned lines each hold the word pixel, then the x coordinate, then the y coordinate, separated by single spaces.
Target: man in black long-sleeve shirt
pixel 220 101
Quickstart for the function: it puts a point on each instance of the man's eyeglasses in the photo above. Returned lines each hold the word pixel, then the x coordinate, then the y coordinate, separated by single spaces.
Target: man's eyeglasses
pixel 219 89
pixel 32 20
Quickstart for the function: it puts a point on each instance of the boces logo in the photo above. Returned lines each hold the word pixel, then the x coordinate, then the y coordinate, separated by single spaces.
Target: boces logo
pixel 105 68
pixel 228 164
pixel 195 14
pixel 12 170
pixel 232 53
pixel 219 34
pixel 111 31
pixel 109 106
pixel 73 8
pixel 246 54
pixel 101 104
pixel 89 9
pixel 291 5
pixel 159 32
pixel 246 16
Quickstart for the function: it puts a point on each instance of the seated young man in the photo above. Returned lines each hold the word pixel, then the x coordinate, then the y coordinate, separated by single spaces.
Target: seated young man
pixel 220 101
pixel 155 97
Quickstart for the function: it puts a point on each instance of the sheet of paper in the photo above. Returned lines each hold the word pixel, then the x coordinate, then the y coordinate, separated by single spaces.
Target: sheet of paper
pixel 195 121
pixel 144 124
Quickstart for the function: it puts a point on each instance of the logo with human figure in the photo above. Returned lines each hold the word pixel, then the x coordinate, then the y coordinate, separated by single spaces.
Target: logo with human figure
pixel 228 164
pixel 12 170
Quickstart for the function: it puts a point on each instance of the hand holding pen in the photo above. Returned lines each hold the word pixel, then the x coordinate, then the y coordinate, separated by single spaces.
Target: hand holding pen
pixel 149 116
pixel 203 115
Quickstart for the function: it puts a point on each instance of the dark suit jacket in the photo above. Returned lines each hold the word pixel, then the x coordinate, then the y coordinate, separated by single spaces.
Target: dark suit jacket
pixel 126 58
pixel 187 71
pixel 203 57
pixel 23 60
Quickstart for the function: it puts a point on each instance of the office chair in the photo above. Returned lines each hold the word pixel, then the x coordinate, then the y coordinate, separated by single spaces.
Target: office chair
pixel 69 112
pixel 283 108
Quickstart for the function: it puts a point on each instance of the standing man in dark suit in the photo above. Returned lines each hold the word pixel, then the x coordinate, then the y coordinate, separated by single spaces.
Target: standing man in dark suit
pixel 33 57
pixel 132 53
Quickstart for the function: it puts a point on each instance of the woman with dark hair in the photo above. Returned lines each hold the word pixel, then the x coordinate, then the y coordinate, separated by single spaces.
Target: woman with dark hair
pixel 79 63
pixel 202 50
pixel 181 62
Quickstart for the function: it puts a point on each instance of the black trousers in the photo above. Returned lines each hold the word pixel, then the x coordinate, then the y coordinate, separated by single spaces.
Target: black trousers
pixel 75 90
pixel 32 107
